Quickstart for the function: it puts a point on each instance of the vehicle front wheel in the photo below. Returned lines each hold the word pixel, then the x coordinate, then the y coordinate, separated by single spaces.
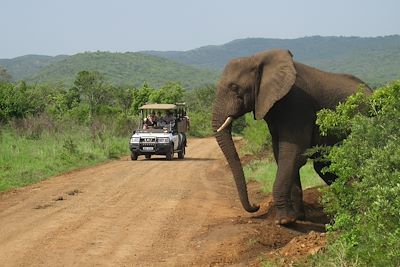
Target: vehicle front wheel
pixel 134 156
pixel 170 153
pixel 181 154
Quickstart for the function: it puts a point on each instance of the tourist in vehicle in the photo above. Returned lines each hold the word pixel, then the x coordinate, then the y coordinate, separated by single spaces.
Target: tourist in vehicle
pixel 167 120
pixel 150 121
pixel 169 117
pixel 185 118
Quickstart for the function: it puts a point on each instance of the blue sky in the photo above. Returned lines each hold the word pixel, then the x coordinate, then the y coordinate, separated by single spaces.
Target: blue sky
pixel 53 27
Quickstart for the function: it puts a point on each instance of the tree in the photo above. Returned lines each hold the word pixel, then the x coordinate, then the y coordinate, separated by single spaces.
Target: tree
pixel 170 93
pixel 141 96
pixel 91 86
pixel 18 101
pixel 200 99
pixel 4 75
pixel 125 99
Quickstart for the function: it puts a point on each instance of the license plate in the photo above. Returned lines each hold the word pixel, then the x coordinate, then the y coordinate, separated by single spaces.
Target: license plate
pixel 148 148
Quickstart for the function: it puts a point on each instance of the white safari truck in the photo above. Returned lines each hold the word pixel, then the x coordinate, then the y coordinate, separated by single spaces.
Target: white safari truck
pixel 162 131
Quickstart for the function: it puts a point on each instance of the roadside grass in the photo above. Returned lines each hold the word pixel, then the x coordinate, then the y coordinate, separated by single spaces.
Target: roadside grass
pixel 263 171
pixel 26 160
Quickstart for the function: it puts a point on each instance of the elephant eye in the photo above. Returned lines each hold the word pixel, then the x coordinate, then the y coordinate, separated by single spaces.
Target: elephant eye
pixel 234 87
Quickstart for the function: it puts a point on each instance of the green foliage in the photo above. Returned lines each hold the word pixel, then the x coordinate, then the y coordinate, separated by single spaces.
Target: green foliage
pixel 4 75
pixel 141 96
pixel 18 101
pixel 169 93
pixel 124 98
pixel 200 123
pixel 122 69
pixel 200 98
pixel 24 160
pixel 199 102
pixel 364 200
pixel 20 68
pixel 91 87
pixel 339 123
pixel 374 60
pixel 256 135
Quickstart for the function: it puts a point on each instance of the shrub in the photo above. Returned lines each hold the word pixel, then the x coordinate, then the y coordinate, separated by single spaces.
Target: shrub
pixel 256 135
pixel 365 199
pixel 200 124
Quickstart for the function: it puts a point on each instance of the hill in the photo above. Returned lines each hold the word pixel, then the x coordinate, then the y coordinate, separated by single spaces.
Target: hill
pixel 117 68
pixel 375 60
pixel 124 69
pixel 23 67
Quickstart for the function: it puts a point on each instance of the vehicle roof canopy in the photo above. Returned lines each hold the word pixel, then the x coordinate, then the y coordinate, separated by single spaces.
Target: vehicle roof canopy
pixel 163 106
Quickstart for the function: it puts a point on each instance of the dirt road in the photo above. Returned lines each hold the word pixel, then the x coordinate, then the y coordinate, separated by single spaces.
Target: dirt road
pixel 148 213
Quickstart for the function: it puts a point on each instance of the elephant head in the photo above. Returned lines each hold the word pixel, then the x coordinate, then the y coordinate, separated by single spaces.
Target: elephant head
pixel 249 84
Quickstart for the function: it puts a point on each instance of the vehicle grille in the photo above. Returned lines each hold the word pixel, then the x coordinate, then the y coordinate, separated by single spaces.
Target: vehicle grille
pixel 148 141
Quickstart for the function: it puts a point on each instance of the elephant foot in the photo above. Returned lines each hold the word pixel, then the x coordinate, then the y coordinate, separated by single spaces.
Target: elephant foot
pixel 285 216
pixel 301 216
pixel 299 211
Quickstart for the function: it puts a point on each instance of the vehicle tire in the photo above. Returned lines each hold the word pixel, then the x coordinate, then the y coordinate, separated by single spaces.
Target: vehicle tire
pixel 147 156
pixel 134 156
pixel 181 154
pixel 170 153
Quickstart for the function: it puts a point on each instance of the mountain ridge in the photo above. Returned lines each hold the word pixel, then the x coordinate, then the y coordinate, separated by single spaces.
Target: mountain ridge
pixel 374 59
pixel 128 68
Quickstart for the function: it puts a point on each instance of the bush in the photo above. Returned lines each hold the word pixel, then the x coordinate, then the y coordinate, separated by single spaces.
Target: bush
pixel 365 200
pixel 25 160
pixel 200 124
pixel 256 135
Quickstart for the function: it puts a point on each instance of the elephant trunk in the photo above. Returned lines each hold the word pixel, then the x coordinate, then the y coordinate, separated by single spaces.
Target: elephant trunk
pixel 225 142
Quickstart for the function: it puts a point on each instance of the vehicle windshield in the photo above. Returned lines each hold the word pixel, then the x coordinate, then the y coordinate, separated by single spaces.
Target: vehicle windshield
pixel 151 130
pixel 161 117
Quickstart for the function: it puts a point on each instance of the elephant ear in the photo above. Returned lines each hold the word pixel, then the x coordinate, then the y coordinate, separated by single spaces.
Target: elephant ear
pixel 277 75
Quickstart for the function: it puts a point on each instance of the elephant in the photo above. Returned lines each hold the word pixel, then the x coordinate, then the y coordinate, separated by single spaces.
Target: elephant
pixel 287 95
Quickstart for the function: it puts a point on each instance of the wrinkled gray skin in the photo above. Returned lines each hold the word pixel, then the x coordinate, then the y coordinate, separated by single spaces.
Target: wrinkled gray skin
pixel 287 95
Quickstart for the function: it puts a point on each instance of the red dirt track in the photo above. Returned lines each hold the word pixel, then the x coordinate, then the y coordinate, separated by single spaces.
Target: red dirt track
pixel 150 213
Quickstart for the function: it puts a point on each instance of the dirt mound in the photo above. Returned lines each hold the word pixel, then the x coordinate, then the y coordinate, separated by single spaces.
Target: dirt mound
pixel 299 248
pixel 248 240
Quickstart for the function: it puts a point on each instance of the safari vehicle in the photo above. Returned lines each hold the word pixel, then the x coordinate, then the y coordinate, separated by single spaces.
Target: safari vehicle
pixel 162 131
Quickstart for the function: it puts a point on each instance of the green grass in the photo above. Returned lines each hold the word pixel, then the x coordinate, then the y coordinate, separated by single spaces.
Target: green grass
pixel 26 160
pixel 264 172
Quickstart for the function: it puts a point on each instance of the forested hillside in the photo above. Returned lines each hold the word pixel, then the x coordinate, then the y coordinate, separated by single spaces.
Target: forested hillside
pixel 123 69
pixel 375 60
pixel 23 67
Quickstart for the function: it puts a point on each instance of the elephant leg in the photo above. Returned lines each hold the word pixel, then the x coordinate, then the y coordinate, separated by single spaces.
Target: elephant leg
pixel 287 191
pixel 287 187
pixel 297 198
pixel 296 192
pixel 328 177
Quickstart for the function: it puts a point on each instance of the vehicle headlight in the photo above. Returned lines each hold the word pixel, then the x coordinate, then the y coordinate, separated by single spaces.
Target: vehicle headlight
pixel 163 140
pixel 135 140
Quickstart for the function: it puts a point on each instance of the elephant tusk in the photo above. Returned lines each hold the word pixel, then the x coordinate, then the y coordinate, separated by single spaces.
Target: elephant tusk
pixel 227 122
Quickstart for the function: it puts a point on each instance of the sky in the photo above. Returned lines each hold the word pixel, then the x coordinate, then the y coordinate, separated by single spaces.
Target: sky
pixel 54 27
